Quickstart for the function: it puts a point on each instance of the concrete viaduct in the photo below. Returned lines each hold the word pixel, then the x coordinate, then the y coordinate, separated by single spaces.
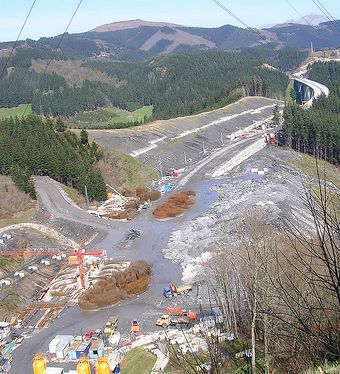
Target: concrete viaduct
pixel 307 90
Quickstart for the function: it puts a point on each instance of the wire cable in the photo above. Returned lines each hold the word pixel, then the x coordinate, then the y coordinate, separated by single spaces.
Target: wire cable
pixel 298 13
pixel 17 39
pixel 235 17
pixel 327 14
pixel 231 13
pixel 59 43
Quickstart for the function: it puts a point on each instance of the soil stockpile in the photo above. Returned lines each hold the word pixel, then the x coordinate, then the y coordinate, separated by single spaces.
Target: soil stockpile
pixel 109 291
pixel 175 206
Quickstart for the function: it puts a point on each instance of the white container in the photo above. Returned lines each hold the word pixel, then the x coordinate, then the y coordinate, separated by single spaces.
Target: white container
pixel 52 347
pixel 62 349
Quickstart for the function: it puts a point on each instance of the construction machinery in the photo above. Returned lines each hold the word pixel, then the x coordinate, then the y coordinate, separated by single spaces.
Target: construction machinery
pixel 76 257
pixel 111 325
pixel 181 312
pixel 174 290
pixel 135 328
pixel 165 320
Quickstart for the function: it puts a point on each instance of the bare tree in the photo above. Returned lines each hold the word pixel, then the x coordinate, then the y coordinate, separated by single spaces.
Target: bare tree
pixel 308 280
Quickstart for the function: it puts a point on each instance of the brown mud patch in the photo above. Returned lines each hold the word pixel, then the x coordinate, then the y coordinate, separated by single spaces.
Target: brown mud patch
pixel 120 286
pixel 175 206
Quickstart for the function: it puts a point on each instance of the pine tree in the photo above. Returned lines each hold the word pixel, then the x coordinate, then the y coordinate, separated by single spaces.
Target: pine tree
pixel 84 137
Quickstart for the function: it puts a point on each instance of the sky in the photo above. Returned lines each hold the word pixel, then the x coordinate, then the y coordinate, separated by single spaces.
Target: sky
pixel 50 17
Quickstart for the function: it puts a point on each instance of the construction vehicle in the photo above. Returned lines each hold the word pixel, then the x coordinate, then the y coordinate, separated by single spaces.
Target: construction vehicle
pixel 174 290
pixel 165 320
pixel 135 328
pixel 181 312
pixel 111 325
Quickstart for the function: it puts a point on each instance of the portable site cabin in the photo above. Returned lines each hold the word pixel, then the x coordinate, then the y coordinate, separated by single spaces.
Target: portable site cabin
pixel 8 349
pixel 71 354
pixel 97 349
pixel 5 365
pixel 52 347
pixel 83 349
pixel 62 349
pixel 66 338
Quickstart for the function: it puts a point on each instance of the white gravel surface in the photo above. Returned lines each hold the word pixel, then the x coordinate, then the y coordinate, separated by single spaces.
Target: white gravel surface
pixel 277 194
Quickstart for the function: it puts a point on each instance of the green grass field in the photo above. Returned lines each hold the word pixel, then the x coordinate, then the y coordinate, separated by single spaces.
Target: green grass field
pixel 307 164
pixel 125 171
pixel 16 111
pixel 109 118
pixel 138 361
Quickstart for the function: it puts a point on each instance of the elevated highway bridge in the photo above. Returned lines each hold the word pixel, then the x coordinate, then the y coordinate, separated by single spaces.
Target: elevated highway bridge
pixel 307 90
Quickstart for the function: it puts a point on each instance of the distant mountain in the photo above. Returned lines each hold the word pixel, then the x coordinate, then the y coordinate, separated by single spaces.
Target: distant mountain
pixel 131 24
pixel 309 19
pixel 138 40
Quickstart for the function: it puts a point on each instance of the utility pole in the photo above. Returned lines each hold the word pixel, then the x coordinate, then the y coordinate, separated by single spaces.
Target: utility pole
pixel 203 149
pixel 222 142
pixel 87 197
pixel 160 167
pixel 185 158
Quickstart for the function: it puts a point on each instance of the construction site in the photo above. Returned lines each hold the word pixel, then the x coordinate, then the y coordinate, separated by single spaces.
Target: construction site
pixel 76 288
pixel 47 281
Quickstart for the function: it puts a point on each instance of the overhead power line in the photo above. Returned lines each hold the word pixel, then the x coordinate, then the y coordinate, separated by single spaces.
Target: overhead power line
pixel 327 14
pixel 235 16
pixel 17 39
pixel 298 13
pixel 231 13
pixel 59 42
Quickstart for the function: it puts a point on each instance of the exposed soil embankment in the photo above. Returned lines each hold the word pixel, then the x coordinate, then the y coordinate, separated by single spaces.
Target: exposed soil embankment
pixel 109 291
pixel 175 206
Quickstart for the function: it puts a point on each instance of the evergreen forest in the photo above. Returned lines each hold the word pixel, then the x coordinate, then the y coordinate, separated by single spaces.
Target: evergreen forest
pixel 33 146
pixel 317 131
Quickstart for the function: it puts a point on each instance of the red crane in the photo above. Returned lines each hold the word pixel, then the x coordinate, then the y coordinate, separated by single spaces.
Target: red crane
pixel 80 253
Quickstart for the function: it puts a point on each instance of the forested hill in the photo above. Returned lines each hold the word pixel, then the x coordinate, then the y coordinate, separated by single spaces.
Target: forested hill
pixel 139 40
pixel 179 85
pixel 33 146
pixel 317 130
pixel 174 84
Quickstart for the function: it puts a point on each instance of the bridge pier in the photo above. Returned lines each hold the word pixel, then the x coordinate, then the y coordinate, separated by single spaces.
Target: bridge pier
pixel 303 92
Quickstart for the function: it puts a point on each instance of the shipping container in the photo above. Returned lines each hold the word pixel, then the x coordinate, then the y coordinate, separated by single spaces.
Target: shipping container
pixel 62 349
pixel 53 345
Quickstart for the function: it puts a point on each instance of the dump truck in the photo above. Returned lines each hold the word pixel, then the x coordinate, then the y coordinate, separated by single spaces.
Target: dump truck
pixel 181 312
pixel 111 325
pixel 165 320
pixel 174 290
